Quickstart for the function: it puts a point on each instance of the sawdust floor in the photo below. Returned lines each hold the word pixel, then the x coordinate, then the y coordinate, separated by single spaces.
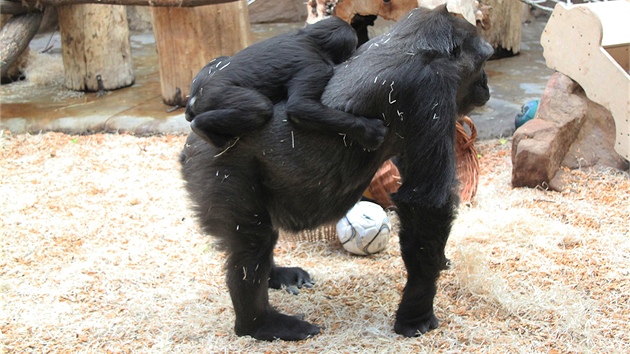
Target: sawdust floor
pixel 99 253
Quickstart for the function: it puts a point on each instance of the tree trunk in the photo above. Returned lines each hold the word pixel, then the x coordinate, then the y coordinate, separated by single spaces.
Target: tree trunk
pixel 188 38
pixel 95 43
pixel 505 26
pixel 15 37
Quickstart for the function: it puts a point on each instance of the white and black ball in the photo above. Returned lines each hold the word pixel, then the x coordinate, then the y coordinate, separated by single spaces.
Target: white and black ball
pixel 365 229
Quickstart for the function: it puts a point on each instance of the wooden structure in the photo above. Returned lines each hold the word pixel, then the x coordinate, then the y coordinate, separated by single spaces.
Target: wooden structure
pixel 471 10
pixel 590 43
pixel 391 10
pixel 499 21
pixel 504 32
pixel 15 37
pixel 95 47
pixel 187 38
pixel 188 33
pixel 155 3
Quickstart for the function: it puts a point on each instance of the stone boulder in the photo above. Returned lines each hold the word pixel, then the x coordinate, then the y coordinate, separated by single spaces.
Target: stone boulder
pixel 569 130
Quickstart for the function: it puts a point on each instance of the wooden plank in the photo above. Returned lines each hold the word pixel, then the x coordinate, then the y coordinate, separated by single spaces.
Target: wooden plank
pixel 573 45
pixel 188 38
pixel 614 20
pixel 621 54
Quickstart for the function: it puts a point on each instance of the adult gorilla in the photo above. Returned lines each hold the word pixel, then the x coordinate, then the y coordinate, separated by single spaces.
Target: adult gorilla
pixel 417 78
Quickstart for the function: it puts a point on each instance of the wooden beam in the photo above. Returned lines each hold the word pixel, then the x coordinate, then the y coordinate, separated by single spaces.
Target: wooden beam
pixel 153 3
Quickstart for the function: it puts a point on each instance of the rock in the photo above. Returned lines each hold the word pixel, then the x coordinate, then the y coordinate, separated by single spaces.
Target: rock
pixel 539 146
pixel 534 153
pixel 594 145
pixel 568 130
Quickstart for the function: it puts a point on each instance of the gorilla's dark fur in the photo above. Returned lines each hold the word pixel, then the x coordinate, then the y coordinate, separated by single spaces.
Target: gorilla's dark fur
pixel 417 78
pixel 232 96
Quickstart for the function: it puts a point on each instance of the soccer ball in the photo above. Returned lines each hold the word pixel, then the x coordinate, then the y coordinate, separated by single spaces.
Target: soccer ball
pixel 365 229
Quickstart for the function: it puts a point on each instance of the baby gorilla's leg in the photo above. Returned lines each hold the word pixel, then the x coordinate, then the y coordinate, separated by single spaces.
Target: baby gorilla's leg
pixel 239 111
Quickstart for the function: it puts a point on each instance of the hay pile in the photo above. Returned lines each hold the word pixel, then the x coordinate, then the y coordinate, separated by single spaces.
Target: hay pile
pixel 99 254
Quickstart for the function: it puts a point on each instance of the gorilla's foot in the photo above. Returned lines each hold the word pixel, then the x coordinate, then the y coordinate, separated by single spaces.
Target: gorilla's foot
pixel 276 325
pixel 293 278
pixel 416 327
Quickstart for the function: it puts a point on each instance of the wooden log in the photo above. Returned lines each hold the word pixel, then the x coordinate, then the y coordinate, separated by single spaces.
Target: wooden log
pixel 158 3
pixel 504 33
pixel 15 37
pixel 188 38
pixel 95 42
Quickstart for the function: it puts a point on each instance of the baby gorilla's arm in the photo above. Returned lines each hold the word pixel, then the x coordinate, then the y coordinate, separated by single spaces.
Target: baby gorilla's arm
pixel 305 109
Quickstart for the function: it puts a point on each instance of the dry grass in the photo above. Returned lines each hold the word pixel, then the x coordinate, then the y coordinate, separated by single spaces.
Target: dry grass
pixel 99 254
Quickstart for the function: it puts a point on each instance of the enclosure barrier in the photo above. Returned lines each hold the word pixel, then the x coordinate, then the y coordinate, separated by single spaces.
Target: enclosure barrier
pixel 590 43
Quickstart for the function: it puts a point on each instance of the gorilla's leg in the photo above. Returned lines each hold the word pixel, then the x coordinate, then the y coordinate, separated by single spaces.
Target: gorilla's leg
pixel 229 201
pixel 422 243
pixel 249 268
pixel 248 242
pixel 222 126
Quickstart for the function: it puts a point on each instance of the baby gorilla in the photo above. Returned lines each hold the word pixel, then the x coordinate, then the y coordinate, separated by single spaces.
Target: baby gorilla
pixel 235 95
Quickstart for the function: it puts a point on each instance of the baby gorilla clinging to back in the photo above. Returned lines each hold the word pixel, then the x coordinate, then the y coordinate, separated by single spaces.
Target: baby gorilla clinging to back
pixel 235 95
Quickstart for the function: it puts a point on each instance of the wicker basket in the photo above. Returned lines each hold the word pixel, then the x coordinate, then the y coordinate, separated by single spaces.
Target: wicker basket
pixel 387 179
pixel 467 159
pixel 326 233
pixel 385 182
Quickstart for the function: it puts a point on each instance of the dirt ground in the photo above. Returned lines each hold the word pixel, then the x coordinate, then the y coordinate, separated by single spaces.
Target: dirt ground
pixel 99 253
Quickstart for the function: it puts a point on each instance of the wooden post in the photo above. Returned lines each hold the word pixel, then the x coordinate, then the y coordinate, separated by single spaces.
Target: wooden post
pixel 505 26
pixel 187 38
pixel 95 41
